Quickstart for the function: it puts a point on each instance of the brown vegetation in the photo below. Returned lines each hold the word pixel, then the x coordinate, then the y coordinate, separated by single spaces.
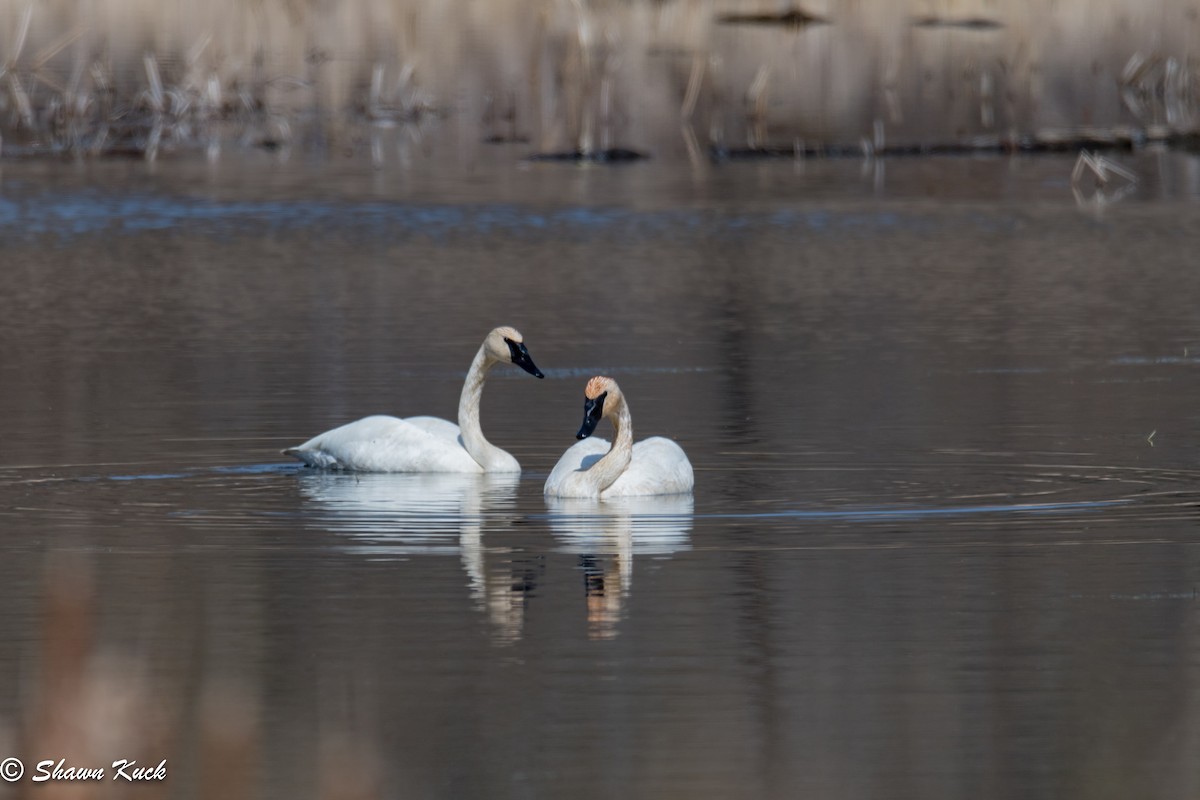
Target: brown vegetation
pixel 665 76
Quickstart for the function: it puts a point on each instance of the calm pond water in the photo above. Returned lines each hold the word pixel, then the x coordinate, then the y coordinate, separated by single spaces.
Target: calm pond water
pixel 943 541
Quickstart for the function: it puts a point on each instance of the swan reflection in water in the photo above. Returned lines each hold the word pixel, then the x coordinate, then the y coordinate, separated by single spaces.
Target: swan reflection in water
pixel 617 530
pixel 398 514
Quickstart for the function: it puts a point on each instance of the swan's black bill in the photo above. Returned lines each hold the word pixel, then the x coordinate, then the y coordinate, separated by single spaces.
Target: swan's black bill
pixel 593 412
pixel 520 357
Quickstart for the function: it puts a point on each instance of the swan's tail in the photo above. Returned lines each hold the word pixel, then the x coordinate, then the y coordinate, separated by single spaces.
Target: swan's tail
pixel 312 458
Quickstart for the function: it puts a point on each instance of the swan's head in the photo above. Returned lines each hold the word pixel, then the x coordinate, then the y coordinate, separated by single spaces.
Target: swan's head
pixel 600 397
pixel 508 345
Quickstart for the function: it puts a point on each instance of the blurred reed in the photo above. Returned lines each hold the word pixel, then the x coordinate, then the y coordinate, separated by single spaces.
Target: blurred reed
pixel 684 77
pixel 90 701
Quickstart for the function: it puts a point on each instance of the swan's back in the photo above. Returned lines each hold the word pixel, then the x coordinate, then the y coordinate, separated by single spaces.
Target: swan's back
pixel 438 427
pixel 388 444
pixel 658 466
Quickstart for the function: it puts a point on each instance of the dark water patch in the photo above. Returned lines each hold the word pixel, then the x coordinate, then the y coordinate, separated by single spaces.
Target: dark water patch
pixel 143 477
pixel 1142 361
pixel 258 469
pixel 611 155
pixel 964 23
pixel 917 513
pixel 588 372
pixel 792 19
pixel 1009 370
pixel 1191 595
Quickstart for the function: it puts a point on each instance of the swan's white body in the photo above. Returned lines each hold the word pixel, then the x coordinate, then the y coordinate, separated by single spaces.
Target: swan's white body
pixel 390 444
pixel 594 468
pixel 420 444
pixel 656 466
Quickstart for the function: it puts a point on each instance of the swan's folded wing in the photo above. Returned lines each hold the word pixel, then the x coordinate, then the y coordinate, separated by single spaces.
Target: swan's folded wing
pixel 384 444
pixel 578 456
pixel 435 426
pixel 659 466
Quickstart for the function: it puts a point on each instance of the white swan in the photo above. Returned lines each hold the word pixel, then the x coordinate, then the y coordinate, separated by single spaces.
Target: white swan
pixel 592 468
pixel 425 444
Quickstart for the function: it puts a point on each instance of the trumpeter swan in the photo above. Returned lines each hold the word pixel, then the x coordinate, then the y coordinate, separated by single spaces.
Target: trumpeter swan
pixel 591 468
pixel 425 444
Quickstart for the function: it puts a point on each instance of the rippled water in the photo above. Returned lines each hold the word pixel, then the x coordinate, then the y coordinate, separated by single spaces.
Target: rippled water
pixel 947 456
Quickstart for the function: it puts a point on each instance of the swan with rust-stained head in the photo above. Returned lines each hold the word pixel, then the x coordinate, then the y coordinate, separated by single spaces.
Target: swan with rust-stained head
pixel 593 468
pixel 426 444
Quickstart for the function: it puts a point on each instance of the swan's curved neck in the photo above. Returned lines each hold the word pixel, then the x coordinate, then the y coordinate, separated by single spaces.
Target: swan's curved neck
pixel 479 448
pixel 606 471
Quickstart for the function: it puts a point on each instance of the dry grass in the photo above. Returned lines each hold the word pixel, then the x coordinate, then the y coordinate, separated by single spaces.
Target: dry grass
pixel 669 76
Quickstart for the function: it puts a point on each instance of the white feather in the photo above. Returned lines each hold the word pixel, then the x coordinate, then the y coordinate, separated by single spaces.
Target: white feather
pixel 389 444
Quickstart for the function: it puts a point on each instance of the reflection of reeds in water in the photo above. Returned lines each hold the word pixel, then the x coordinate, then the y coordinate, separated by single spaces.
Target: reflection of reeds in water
pixel 91 704
pixel 573 75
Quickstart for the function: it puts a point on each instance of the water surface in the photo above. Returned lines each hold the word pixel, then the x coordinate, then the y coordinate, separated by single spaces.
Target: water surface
pixel 942 542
